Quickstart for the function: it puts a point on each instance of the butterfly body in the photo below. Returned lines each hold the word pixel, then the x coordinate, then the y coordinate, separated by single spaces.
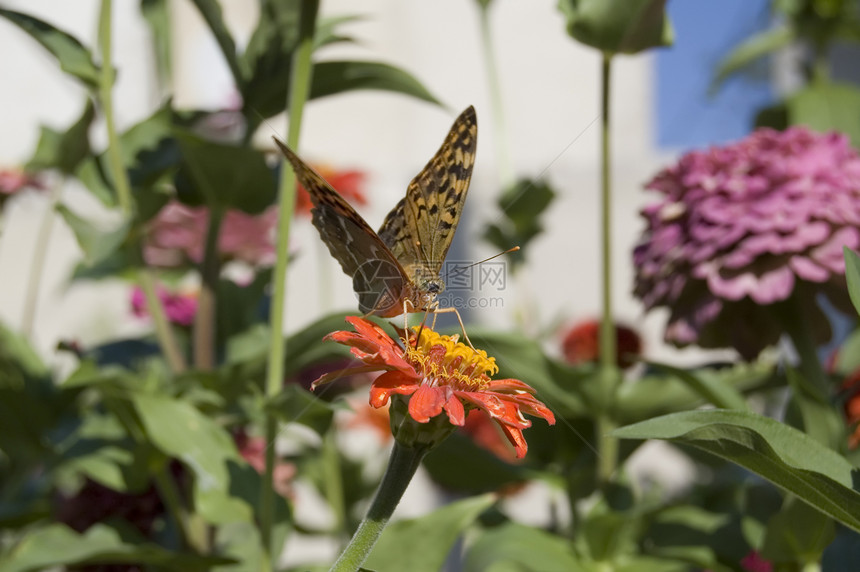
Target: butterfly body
pixel 398 269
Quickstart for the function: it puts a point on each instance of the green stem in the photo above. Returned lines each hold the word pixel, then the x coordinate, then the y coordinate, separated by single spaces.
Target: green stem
pixel 401 468
pixel 37 267
pixel 114 150
pixel 503 159
pixel 163 332
pixel 333 481
pixel 169 493
pixel 791 313
pixel 300 82
pixel 607 445
pixel 204 320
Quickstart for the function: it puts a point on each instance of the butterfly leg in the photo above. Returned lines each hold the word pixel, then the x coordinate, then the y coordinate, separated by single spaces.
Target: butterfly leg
pixel 459 319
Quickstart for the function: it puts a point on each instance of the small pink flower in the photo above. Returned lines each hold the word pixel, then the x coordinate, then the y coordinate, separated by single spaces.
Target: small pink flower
pixel 180 308
pixel 14 180
pixel 253 450
pixel 753 562
pixel 177 235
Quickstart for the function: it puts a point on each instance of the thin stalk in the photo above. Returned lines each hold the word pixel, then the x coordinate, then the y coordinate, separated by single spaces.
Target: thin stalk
pixel 333 481
pixel 170 496
pixel 792 316
pixel 300 82
pixel 40 254
pixel 401 468
pixel 500 129
pixel 204 320
pixel 607 445
pixel 114 149
pixel 163 332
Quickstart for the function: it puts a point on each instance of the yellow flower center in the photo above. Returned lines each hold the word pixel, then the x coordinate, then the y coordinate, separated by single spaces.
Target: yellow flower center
pixel 444 360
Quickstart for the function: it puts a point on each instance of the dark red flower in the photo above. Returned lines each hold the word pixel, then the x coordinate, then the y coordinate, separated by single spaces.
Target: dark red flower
pixel 438 373
pixel 581 344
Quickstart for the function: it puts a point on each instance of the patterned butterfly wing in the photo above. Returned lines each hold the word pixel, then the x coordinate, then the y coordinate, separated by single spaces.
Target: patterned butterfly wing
pixel 419 230
pixel 377 277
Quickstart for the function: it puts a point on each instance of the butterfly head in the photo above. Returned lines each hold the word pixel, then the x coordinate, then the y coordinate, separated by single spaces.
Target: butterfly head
pixel 428 289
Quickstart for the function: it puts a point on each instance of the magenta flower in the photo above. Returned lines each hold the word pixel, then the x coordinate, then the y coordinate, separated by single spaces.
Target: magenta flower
pixel 745 226
pixel 177 235
pixel 753 562
pixel 180 308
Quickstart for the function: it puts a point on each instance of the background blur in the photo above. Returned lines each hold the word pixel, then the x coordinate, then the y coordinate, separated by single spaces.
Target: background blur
pixel 550 97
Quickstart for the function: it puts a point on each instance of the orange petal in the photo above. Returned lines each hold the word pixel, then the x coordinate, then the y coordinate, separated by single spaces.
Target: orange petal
pixel 515 436
pixel 456 411
pixel 426 403
pixel 389 383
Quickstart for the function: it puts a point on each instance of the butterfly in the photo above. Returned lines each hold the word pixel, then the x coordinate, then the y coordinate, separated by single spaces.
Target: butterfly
pixel 396 270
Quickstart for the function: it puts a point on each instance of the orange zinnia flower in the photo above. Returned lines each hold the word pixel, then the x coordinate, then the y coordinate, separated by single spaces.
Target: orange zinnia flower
pixel 438 373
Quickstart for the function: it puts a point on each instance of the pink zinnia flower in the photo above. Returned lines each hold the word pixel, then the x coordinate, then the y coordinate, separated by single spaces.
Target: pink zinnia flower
pixel 745 226
pixel 180 308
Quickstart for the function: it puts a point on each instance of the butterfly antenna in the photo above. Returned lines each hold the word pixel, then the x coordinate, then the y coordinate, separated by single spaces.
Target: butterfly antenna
pixel 461 269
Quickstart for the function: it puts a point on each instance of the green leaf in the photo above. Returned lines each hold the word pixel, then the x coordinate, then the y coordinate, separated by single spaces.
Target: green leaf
pixel 64 150
pixel 181 431
pixel 95 179
pixel 797 534
pixel 267 60
pixel 826 107
pixel 773 450
pixel 73 57
pixel 295 404
pixel 157 15
pixel 422 544
pixel 654 395
pixel 521 205
pixel 211 12
pixel 228 176
pixel 751 50
pixel 97 244
pixel 516 547
pixel 57 545
pixel 326 33
pixel 713 390
pixel 330 78
pixel 852 276
pixel 618 26
pixel 819 419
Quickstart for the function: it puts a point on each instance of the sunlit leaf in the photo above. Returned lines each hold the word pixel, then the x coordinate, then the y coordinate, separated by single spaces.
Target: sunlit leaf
pixel 779 453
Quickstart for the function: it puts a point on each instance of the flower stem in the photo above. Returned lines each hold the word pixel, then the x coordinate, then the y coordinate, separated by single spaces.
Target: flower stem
pixel 791 314
pixel 506 174
pixel 114 149
pixel 204 321
pixel 401 468
pixel 298 93
pixel 37 267
pixel 163 332
pixel 607 445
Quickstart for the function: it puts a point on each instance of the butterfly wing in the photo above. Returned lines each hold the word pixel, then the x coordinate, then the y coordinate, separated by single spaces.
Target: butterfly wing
pixel 419 230
pixel 378 278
